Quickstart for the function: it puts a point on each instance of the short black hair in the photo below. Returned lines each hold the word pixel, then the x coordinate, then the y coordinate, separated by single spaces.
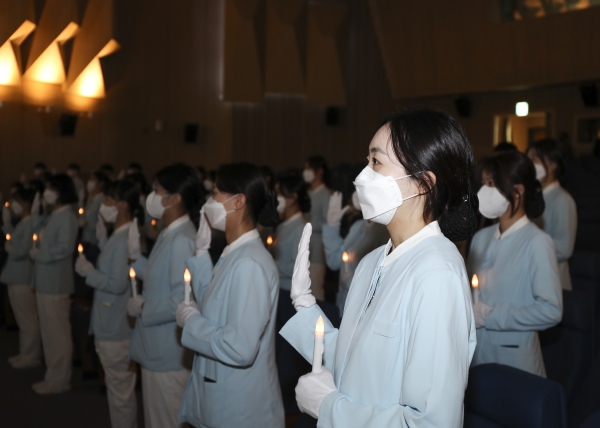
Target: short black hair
pixel 135 165
pixel 505 146
pixel 101 177
pixel 74 166
pixel 551 150
pixel 63 184
pixel 40 165
pixel 183 180
pixel 127 191
pixel 25 195
pixel 291 184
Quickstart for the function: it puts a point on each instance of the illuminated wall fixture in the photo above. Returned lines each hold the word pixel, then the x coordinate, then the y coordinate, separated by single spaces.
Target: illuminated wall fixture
pixel 90 83
pixel 9 65
pixel 522 109
pixel 49 67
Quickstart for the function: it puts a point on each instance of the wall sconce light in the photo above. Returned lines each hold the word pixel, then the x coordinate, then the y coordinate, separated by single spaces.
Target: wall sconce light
pixel 522 109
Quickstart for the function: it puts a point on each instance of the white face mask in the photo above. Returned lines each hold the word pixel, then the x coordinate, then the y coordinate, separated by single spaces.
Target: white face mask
pixel 379 195
pixel 154 205
pixel 355 200
pixel 109 214
pixel 540 171
pixel 208 185
pixel 492 204
pixel 308 175
pixel 280 204
pixel 16 208
pixel 50 196
pixel 91 186
pixel 216 213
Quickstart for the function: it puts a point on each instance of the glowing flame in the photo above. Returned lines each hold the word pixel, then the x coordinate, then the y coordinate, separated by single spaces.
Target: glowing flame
pixel 475 281
pixel 80 211
pixel 187 276
pixel 6 204
pixel 80 248
pixel 270 240
pixel 131 273
pixel 35 237
pixel 320 328
pixel 345 257
pixel 153 222
pixel 8 236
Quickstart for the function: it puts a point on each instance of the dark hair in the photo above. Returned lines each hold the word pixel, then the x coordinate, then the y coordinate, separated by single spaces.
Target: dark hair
pixel 247 179
pixel 135 165
pixel 319 162
pixel 16 185
pixel 25 195
pixel 431 140
pixel 509 169
pixel 505 146
pixel 201 171
pixel 107 168
pixel 269 176
pixel 101 177
pixel 183 180
pixel 127 191
pixel 291 184
pixel 549 149
pixel 40 165
pixel 63 184
pixel 74 166
pixel 37 185
pixel 140 181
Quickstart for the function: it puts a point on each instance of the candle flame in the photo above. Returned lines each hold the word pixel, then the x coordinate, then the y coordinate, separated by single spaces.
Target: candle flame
pixel 187 276
pixel 8 236
pixel 270 240
pixel 320 328
pixel 35 237
pixel 475 281
pixel 153 222
pixel 131 273
pixel 80 211
pixel 80 248
pixel 345 257
pixel 6 204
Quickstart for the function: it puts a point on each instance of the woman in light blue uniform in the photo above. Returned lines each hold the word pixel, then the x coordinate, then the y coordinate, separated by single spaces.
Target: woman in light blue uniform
pixel 315 175
pixel 17 274
pixel 95 188
pixel 516 266
pixel 156 342
pixel 112 288
pixel 344 253
pixel 232 328
pixel 560 216
pixel 401 356
pixel 53 283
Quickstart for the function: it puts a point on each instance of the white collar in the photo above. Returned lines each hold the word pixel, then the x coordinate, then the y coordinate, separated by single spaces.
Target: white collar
pixel 248 236
pixel 432 229
pixel 177 223
pixel 550 187
pixel 516 226
pixel 292 218
pixel 122 227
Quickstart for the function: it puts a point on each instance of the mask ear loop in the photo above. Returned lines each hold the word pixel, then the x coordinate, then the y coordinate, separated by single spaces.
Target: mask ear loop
pixel 406 176
pixel 229 199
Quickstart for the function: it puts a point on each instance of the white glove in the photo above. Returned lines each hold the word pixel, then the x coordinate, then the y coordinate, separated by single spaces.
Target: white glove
pixel 184 312
pixel 33 253
pixel 82 266
pixel 300 292
pixel 7 246
pixel 101 232
pixel 6 217
pixel 135 305
pixel 35 205
pixel 312 388
pixel 203 236
pixel 335 211
pixel 480 311
pixel 81 222
pixel 133 241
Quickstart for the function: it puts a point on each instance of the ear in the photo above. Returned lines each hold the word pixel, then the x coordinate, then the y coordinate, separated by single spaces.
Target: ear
pixel 240 202
pixel 175 199
pixel 519 190
pixel 550 166
pixel 431 178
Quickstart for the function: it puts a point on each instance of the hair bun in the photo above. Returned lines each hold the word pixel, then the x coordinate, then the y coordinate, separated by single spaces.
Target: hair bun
pixel 460 222
pixel 268 215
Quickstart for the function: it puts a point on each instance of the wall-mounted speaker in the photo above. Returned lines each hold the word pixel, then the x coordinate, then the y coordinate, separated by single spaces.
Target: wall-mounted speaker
pixel 589 95
pixel 463 106
pixel 332 116
pixel 190 133
pixel 67 123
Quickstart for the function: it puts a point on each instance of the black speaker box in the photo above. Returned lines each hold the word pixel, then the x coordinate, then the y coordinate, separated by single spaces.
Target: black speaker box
pixel 463 106
pixel 332 116
pixel 190 133
pixel 67 124
pixel 589 95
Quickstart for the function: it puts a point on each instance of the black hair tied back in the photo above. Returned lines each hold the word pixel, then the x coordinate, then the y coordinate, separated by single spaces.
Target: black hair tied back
pixel 460 222
pixel 268 216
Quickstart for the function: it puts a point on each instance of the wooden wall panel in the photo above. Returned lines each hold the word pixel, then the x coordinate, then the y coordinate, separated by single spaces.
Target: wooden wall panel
pixel 12 14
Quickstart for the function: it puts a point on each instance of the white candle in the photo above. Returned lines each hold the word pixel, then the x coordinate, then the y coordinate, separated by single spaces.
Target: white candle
pixel 475 284
pixel 187 277
pixel 35 238
pixel 319 346
pixel 80 249
pixel 133 283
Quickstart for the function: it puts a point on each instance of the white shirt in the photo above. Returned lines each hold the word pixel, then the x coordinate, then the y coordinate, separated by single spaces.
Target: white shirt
pixel 177 223
pixel 122 227
pixel 292 218
pixel 432 229
pixel 248 236
pixel 516 226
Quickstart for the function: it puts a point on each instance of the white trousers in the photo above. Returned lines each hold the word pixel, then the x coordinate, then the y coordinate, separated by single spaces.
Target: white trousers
pixel 24 306
pixel 317 281
pixel 55 328
pixel 120 379
pixel 163 394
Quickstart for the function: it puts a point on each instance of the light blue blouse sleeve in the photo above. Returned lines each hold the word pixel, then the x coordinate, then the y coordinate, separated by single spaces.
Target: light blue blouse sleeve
pixel 201 270
pixel 547 292
pixel 334 246
pixel 565 229
pixel 64 246
pixel 248 312
pixel 162 311
pixel 115 280
pixel 299 331
pixel 441 343
pixel 286 259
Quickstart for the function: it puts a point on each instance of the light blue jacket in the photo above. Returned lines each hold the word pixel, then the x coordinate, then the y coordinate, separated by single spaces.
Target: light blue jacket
pixel 53 268
pixel 362 238
pixel 234 380
pixel 156 339
pixel 560 222
pixel 112 286
pixel 518 278
pixel 319 205
pixel 404 360
pixel 285 249
pixel 19 267
pixel 92 208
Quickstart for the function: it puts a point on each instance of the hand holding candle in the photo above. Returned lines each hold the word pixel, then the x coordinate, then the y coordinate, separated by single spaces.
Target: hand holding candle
pixel 133 283
pixel 187 277
pixel 319 346
pixel 475 284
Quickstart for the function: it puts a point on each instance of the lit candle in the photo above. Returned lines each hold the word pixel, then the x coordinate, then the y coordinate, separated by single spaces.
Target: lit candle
pixel 6 204
pixel 270 240
pixel 153 223
pixel 35 238
pixel 345 257
pixel 8 236
pixel 80 249
pixel 319 346
pixel 187 277
pixel 475 284
pixel 81 211
pixel 133 283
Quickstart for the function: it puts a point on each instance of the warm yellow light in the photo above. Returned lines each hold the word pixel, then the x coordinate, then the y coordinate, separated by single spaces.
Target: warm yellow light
pixel 35 237
pixel 90 83
pixel 6 204
pixel 153 222
pixel 69 32
pixel 8 236
pixel 131 273
pixel 80 211
pixel 80 248
pixel 48 68
pixel 475 281
pixel 320 328
pixel 9 71
pixel 345 257
pixel 270 240
pixel 187 277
